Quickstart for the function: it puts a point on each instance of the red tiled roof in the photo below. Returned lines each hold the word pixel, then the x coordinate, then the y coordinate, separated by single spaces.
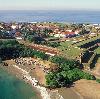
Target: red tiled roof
pixel 67 32
pixel 18 34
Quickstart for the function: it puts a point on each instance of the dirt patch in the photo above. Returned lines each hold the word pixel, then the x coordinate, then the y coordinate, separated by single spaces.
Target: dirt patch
pixel 88 89
pixel 69 93
pixel 96 70
pixel 40 75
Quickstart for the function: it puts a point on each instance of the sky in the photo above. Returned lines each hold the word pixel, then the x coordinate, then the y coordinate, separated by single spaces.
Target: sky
pixel 49 4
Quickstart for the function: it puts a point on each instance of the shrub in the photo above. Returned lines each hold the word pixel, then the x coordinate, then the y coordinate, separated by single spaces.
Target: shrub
pixel 67 73
pixel 0 60
pixel 98 80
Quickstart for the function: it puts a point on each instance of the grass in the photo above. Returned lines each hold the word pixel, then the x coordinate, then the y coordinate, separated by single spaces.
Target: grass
pixel 98 60
pixel 69 50
pixel 87 41
pixel 98 52
pixel 98 80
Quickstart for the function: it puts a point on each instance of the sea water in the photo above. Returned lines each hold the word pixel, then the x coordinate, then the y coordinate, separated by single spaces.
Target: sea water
pixel 71 16
pixel 13 88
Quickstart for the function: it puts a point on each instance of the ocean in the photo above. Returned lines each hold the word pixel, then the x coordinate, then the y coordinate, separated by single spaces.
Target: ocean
pixel 50 16
pixel 13 88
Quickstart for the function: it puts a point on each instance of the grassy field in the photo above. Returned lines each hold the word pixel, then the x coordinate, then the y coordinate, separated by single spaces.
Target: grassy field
pixel 98 52
pixel 68 50
pixel 98 60
pixel 87 41
pixel 71 50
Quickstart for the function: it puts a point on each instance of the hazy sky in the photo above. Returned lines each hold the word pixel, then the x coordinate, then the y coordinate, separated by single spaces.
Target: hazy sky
pixel 49 4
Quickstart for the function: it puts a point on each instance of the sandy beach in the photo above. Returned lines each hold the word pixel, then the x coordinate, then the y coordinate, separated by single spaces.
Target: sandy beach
pixel 42 92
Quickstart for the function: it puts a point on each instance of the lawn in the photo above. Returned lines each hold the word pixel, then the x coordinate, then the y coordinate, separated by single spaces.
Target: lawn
pixel 87 41
pixel 98 52
pixel 98 60
pixel 68 50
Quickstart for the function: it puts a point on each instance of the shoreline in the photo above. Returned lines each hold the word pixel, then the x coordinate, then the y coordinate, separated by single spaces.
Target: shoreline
pixel 41 92
pixel 13 71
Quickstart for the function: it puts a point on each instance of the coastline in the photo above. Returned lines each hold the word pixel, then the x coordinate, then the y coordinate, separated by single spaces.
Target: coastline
pixel 47 93
pixel 18 75
pixel 30 76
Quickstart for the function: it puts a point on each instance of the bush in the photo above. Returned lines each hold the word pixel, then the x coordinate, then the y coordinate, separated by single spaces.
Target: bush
pixel 12 49
pixel 64 78
pixel 64 63
pixel 0 60
pixel 51 80
pixel 67 73
pixel 54 44
pixel 98 80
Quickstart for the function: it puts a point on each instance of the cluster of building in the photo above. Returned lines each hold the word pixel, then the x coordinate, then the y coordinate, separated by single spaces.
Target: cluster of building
pixel 15 29
pixel 66 33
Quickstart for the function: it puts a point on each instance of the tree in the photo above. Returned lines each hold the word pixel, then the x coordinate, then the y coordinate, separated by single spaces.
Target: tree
pixel 54 44
pixel 51 81
pixel 30 38
pixel 12 49
pixel 0 60
pixel 67 73
pixel 64 63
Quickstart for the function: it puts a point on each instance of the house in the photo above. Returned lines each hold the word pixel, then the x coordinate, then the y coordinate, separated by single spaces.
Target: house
pixel 69 34
pixel 18 36
pixel 92 34
pixel 13 26
pixel 66 34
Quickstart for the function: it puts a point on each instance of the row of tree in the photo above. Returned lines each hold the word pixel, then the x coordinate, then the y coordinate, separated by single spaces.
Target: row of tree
pixel 12 49
pixel 40 40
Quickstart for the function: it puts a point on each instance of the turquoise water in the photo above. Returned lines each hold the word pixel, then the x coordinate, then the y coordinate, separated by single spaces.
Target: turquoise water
pixel 13 88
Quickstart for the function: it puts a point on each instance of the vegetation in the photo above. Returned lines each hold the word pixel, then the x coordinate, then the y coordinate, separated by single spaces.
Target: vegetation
pixel 91 43
pixel 12 49
pixel 98 54
pixel 0 60
pixel 63 63
pixel 5 35
pixel 68 73
pixel 28 52
pixel 53 44
pixel 86 56
pixel 42 41
pixel 30 38
pixel 98 80
pixel 69 50
pixel 87 40
pixel 97 50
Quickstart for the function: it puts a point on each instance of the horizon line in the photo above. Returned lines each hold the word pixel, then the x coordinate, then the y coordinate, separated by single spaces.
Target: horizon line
pixel 49 9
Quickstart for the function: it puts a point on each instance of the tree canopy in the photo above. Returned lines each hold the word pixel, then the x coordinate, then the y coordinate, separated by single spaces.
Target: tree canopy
pixel 68 72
